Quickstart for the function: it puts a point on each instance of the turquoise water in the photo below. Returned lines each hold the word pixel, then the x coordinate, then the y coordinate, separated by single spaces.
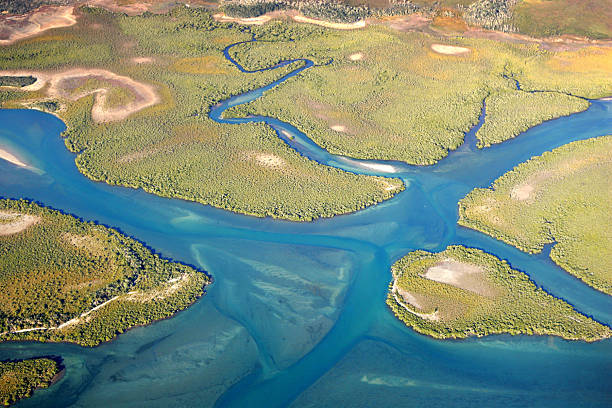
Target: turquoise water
pixel 297 312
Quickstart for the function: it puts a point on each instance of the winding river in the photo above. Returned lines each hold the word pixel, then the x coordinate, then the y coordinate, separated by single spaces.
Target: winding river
pixel 297 313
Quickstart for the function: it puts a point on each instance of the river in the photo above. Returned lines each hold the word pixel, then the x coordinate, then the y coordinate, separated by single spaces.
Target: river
pixel 297 313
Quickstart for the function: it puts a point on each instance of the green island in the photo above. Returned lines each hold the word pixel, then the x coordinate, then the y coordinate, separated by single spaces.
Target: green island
pixel 135 93
pixel 562 198
pixel 411 96
pixel 62 279
pixel 462 292
pixel 20 378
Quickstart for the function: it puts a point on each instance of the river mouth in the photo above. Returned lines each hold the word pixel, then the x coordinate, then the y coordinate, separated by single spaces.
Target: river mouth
pixel 297 312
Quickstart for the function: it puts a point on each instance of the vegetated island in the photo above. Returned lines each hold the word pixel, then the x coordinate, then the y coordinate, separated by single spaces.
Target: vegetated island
pixel 462 292
pixel 135 93
pixel 563 198
pixel 20 378
pixel 62 279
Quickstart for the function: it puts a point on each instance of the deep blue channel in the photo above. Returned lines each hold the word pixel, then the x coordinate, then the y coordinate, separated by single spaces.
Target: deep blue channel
pixel 297 313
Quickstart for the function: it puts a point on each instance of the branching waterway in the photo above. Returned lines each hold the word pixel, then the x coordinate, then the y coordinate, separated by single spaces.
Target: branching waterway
pixel 297 313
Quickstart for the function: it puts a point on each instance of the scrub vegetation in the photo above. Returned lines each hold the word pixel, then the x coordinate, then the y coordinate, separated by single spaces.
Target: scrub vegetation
pixel 463 292
pixel 17 81
pixel 19 379
pixel 173 148
pixel 62 279
pixel 382 94
pixel 564 198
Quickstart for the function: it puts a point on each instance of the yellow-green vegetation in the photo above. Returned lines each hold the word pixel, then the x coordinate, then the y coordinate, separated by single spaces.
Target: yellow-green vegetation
pixel 393 97
pixel 562 197
pixel 62 279
pixel 463 292
pixel 540 18
pixel 173 148
pixel 511 112
pixel 19 379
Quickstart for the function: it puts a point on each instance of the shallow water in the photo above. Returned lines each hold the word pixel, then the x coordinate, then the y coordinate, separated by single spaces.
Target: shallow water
pixel 297 313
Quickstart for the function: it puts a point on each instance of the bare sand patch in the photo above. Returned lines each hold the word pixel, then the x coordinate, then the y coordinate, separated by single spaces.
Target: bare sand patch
pixel 87 243
pixel 356 57
pixel 13 223
pixel 60 85
pixel 461 275
pixel 260 20
pixel 270 160
pixel 15 28
pixel 522 192
pixel 9 157
pixel 329 24
pixel 449 49
pixel 133 8
pixel 406 297
pixel 338 128
pixel 142 60
pixel 414 22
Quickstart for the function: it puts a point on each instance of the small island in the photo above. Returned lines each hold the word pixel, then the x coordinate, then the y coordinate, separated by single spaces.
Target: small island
pixel 462 292
pixel 561 198
pixel 62 279
pixel 20 378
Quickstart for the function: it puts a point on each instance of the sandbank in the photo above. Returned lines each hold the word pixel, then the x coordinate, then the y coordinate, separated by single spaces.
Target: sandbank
pixel 13 223
pixel 9 157
pixel 449 49
pixel 15 28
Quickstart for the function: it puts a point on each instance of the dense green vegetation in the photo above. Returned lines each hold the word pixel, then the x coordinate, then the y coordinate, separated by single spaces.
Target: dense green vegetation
pixel 173 149
pixel 562 197
pixel 393 97
pixel 510 112
pixel 17 81
pixel 487 297
pixel 18 379
pixel 81 282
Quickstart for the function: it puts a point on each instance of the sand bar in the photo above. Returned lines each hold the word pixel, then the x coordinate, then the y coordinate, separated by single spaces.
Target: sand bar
pixel 9 157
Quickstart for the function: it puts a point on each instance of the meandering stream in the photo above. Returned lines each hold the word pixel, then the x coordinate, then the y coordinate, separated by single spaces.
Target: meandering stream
pixel 297 312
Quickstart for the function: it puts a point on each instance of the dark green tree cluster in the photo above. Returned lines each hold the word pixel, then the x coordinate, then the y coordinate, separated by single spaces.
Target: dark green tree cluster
pixel 19 378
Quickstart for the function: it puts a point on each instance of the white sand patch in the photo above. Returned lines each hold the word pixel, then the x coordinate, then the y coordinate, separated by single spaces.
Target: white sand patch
pixel 11 158
pixel 449 49
pixel 383 168
pixel 461 275
pixel 522 192
pixel 338 128
pixel 270 160
pixel 356 57
pixel 328 24
pixel 406 297
pixel 13 223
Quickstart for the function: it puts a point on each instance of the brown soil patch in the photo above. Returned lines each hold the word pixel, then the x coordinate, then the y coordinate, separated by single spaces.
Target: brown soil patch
pixel 60 85
pixel 270 160
pixel 461 275
pixel 413 22
pixel 133 7
pixel 13 223
pixel 449 49
pixel 15 28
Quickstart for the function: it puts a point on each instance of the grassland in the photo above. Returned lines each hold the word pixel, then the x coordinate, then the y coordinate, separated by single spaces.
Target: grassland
pixel 563 198
pixel 62 279
pixel 172 148
pixel 463 292
pixel 588 18
pixel 401 100
pixel 19 379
